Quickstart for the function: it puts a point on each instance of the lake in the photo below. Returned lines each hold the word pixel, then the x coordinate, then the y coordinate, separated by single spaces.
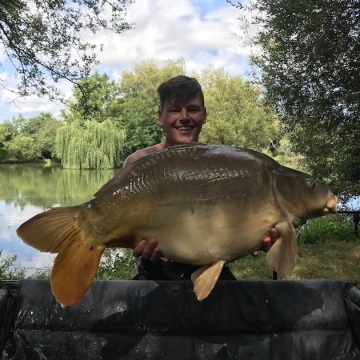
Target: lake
pixel 29 189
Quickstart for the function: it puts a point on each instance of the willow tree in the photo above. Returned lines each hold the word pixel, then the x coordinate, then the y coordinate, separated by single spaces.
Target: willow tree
pixel 91 145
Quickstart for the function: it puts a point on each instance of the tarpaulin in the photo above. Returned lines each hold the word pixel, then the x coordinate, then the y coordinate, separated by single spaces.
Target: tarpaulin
pixel 257 320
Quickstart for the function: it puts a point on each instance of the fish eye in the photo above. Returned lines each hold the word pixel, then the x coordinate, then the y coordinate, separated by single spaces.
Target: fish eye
pixel 310 183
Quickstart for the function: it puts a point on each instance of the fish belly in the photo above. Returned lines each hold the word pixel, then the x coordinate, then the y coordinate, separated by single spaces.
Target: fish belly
pixel 206 234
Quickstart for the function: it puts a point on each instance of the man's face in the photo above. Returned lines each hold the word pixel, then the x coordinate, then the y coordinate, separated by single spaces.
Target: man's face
pixel 182 122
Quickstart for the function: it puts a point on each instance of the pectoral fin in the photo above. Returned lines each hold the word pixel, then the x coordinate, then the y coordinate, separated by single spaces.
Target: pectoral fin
pixel 205 278
pixel 282 255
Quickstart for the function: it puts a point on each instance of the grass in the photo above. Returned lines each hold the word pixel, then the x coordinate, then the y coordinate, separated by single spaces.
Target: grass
pixel 340 260
pixel 327 249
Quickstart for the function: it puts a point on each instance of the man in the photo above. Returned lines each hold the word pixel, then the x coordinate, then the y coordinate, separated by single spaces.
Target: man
pixel 182 114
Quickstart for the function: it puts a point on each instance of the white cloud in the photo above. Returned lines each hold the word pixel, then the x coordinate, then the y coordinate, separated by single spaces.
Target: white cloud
pixel 199 31
pixel 15 106
pixel 164 32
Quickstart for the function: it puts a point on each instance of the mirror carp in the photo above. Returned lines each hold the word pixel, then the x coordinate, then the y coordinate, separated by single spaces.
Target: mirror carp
pixel 205 205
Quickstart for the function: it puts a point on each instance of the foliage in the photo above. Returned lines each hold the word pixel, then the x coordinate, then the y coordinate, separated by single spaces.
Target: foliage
pixel 8 270
pixel 92 145
pixel 237 115
pixel 45 138
pixel 308 53
pixel 330 228
pixel 45 39
pixel 102 102
pixel 95 130
pixel 3 152
pixel 131 104
pixel 117 264
pixel 13 127
pixel 280 151
pixel 23 147
pixel 28 139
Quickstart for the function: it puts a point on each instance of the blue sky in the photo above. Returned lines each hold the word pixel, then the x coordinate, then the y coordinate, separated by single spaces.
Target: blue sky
pixel 199 31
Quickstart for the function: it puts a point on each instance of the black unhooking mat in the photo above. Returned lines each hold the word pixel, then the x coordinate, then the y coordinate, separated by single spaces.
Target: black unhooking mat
pixel 257 320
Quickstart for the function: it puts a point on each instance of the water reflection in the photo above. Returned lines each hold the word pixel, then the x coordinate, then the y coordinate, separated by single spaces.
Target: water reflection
pixel 28 189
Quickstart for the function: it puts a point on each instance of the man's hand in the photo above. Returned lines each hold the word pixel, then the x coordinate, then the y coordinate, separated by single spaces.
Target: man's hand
pixel 268 241
pixel 148 250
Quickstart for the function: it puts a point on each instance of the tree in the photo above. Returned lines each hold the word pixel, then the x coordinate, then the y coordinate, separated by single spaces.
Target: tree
pixel 44 40
pixel 45 134
pixel 22 147
pixel 237 115
pixel 27 139
pixel 309 65
pixel 103 101
pixel 94 137
pixel 90 145
pixel 5 136
pixel 3 152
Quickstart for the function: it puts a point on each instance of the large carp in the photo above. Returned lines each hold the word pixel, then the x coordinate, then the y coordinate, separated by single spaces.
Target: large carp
pixel 205 204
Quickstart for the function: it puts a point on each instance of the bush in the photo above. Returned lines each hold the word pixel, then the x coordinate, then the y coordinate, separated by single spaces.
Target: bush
pixel 337 227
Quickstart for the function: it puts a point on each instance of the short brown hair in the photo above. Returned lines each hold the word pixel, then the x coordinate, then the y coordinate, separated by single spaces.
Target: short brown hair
pixel 181 87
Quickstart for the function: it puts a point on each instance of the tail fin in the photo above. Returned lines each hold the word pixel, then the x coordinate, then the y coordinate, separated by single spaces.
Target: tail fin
pixel 282 255
pixel 74 271
pixel 76 264
pixel 50 231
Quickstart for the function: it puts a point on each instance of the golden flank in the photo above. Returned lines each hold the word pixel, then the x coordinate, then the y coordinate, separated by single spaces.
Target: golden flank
pixel 205 204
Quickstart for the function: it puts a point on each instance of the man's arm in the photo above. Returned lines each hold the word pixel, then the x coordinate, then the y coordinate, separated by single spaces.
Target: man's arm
pixel 133 157
pixel 143 152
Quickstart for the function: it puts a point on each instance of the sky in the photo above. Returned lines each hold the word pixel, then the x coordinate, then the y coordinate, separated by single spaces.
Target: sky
pixel 202 32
